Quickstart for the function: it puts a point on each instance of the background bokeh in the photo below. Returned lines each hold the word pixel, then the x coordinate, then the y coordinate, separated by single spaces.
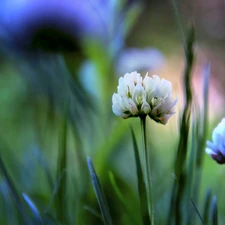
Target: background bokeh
pixel 64 66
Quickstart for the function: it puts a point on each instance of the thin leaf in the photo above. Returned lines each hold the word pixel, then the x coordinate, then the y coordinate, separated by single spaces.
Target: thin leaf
pixel 214 212
pixel 50 220
pixel 200 138
pixel 9 213
pixel 116 135
pixel 141 184
pixel 179 23
pixel 204 123
pixel 92 211
pixel 32 207
pixel 99 194
pixel 55 191
pixel 207 206
pixel 180 165
pixel 182 150
pixel 185 121
pixel 44 165
pixel 197 211
pixel 191 167
pixel 125 207
pixel 61 203
pixel 13 191
pixel 116 188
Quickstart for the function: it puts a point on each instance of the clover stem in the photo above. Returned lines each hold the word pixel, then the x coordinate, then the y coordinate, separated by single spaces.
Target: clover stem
pixel 147 169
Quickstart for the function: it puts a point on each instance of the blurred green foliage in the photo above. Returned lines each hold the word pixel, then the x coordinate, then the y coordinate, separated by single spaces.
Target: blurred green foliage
pixel 56 111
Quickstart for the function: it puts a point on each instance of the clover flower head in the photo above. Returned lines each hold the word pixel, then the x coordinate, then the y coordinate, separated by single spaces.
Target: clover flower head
pixel 137 97
pixel 216 148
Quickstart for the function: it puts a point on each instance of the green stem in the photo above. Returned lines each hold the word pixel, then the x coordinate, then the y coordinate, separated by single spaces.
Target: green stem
pixel 147 170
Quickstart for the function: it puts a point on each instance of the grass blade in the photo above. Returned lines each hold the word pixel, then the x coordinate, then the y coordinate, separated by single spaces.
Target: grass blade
pixel 197 211
pixel 99 194
pixel 116 188
pixel 200 138
pixel 92 211
pixel 191 166
pixel 14 192
pixel 214 212
pixel 182 150
pixel 179 23
pixel 51 220
pixel 207 206
pixel 203 123
pixel 185 121
pixel 33 208
pixel 61 203
pixel 55 191
pixel 45 166
pixel 8 212
pixel 125 207
pixel 141 184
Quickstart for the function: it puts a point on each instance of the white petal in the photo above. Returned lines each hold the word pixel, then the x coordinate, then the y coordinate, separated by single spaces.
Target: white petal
pixel 150 96
pixel 164 119
pixel 156 79
pixel 148 83
pixel 122 87
pixel 139 94
pixel 133 107
pixel 145 108
pixel 165 87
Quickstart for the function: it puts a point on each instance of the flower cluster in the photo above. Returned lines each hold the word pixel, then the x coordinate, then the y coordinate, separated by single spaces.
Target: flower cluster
pixel 139 97
pixel 216 148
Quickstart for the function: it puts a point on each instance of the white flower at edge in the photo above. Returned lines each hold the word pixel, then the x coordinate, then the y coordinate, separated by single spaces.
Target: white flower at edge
pixel 138 97
pixel 216 148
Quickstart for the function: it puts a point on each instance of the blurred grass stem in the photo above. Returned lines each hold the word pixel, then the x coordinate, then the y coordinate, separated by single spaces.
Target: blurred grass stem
pixel 99 194
pixel 14 192
pixel 141 184
pixel 147 170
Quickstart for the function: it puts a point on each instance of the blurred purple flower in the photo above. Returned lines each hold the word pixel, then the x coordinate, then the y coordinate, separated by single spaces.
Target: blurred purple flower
pixel 49 24
pixel 216 148
pixel 134 59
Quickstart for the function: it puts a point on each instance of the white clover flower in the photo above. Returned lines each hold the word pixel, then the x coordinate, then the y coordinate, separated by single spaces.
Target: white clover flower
pixel 216 148
pixel 140 97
